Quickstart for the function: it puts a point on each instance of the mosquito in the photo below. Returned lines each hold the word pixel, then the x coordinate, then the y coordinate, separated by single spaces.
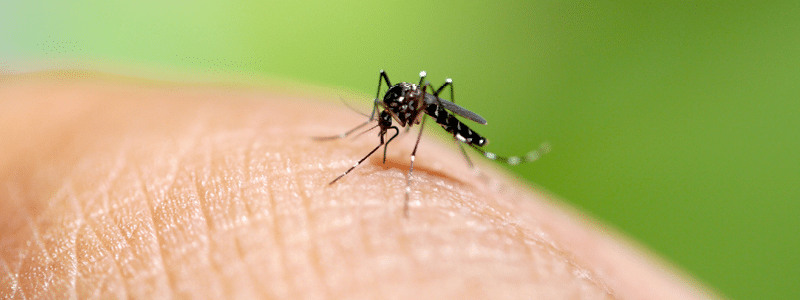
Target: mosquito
pixel 410 104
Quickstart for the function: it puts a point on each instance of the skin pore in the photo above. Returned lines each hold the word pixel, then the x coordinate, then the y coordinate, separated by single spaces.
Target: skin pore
pixel 113 187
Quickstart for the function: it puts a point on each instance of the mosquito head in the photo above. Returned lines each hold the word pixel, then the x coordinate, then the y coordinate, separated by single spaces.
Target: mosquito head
pixel 385 121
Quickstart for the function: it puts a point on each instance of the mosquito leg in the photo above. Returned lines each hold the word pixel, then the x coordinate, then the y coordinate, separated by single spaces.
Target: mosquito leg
pixel 464 153
pixel 383 134
pixel 360 161
pixel 342 135
pixel 515 160
pixel 447 82
pixel 386 147
pixel 353 108
pixel 381 78
pixel 396 132
pixel 411 168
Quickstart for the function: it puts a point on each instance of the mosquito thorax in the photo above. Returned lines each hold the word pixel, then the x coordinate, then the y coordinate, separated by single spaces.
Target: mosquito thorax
pixel 403 101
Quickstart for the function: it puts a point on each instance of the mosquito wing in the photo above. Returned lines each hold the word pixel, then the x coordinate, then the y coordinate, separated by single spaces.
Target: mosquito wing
pixel 454 108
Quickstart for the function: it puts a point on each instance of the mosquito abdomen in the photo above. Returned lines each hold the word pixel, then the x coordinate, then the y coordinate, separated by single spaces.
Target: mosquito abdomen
pixel 454 126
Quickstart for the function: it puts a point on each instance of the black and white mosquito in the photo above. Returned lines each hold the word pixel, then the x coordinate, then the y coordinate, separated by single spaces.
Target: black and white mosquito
pixel 410 104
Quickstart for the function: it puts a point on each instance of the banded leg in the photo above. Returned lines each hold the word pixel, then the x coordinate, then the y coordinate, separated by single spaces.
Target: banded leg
pixel 411 168
pixel 381 78
pixel 383 135
pixel 414 152
pixel 354 109
pixel 447 82
pixel 515 160
pixel 345 134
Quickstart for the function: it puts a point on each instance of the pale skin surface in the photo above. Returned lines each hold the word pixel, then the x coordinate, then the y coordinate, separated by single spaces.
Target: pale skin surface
pixel 121 188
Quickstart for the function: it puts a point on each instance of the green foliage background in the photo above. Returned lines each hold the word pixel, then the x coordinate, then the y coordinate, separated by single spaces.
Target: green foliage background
pixel 675 122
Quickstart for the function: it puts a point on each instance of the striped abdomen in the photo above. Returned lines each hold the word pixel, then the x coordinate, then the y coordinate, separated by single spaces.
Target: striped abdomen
pixel 454 126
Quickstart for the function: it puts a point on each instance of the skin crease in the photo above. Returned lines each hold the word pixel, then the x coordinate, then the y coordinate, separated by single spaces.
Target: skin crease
pixel 113 187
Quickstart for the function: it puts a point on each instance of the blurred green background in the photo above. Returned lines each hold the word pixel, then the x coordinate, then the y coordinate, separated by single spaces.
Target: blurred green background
pixel 675 122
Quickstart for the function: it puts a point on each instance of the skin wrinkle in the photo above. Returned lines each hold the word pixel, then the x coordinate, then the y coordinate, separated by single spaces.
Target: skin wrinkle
pixel 172 224
pixel 578 267
pixel 497 218
pixel 120 162
pixel 95 220
pixel 303 235
pixel 529 236
pixel 110 181
pixel 240 217
pixel 53 261
pixel 159 238
pixel 118 225
pixel 90 232
pixel 138 237
pixel 14 199
pixel 13 278
pixel 252 279
pixel 224 173
pixel 276 232
pixel 199 237
pixel 367 247
pixel 73 200
pixel 203 204
pixel 306 207
pixel 38 241
pixel 177 195
pixel 247 166
pixel 37 273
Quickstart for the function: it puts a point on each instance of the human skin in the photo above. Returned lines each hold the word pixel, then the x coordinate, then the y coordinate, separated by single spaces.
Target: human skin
pixel 113 187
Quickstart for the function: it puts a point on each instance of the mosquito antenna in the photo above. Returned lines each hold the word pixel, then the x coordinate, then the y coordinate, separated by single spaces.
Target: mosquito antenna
pixel 342 135
pixel 368 130
pixel 352 108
